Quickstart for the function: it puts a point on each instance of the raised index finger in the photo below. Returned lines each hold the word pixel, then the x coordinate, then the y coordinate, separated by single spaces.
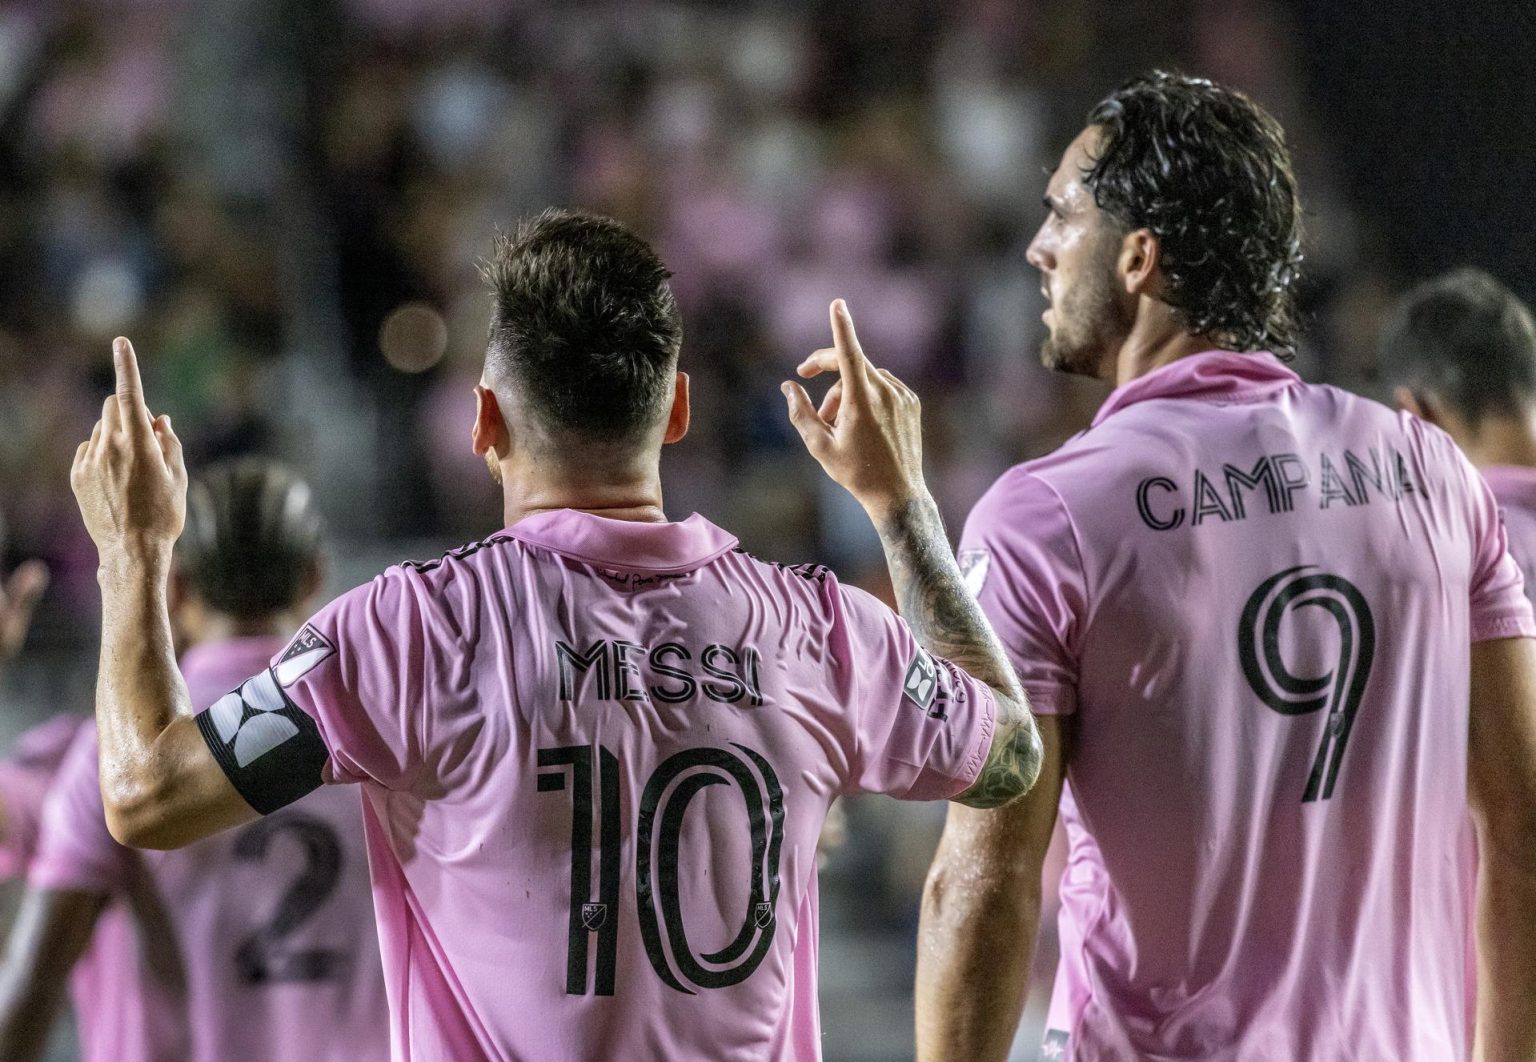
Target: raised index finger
pixel 130 389
pixel 852 364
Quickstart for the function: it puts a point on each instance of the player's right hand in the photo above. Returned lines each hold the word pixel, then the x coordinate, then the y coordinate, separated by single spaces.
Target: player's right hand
pixel 868 433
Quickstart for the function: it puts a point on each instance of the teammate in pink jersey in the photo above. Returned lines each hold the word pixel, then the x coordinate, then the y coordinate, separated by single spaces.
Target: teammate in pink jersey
pixel 1249 612
pixel 1461 351
pixel 259 943
pixel 596 748
pixel 34 757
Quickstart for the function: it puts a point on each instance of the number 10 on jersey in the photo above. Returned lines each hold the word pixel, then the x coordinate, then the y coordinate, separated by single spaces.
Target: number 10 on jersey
pixel 594 919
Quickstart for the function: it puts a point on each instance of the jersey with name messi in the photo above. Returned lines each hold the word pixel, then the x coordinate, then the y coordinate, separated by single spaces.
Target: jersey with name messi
pixel 597 755
pixel 1257 598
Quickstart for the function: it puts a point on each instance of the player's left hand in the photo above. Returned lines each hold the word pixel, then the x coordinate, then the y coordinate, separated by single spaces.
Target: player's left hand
pixel 868 433
pixel 128 477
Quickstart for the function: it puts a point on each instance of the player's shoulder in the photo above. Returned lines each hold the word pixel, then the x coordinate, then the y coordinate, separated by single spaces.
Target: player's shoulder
pixel 1367 419
pixel 1029 493
pixel 469 555
pixel 790 579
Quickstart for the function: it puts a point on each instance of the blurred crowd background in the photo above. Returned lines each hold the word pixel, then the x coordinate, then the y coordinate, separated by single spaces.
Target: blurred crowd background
pixel 283 202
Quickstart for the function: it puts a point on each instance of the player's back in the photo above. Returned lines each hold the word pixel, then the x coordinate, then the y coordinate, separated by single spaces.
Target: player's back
pixel 1275 586
pixel 596 781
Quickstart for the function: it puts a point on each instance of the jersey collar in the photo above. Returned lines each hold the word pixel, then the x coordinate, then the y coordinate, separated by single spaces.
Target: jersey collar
pixel 1216 375
pixel 625 545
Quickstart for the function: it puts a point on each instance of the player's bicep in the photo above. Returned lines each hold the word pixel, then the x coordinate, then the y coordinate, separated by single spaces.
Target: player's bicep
pixel 195 798
pixel 267 748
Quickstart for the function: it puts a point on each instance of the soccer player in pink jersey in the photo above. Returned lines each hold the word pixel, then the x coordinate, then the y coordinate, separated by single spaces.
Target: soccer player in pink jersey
pixel 596 749
pixel 1249 612
pixel 259 943
pixel 1461 351
pixel 28 769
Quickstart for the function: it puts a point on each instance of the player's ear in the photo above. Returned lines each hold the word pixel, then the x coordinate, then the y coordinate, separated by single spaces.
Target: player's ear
pixel 1410 402
pixel 490 428
pixel 677 420
pixel 1139 254
pixel 314 579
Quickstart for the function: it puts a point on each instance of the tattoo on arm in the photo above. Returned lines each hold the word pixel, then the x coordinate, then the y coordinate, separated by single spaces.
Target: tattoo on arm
pixel 949 623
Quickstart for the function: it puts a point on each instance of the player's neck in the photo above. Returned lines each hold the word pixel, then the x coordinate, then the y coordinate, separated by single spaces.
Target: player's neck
pixel 1504 441
pixel 632 496
pixel 1151 344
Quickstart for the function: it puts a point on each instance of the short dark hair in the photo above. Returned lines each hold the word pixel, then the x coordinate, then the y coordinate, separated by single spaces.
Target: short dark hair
pixel 584 324
pixel 1467 339
pixel 253 537
pixel 1207 171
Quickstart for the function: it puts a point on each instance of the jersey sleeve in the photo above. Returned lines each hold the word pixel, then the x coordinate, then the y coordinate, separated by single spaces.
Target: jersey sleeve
pixel 922 727
pixel 348 700
pixel 74 848
pixel 1499 607
pixel 26 775
pixel 1020 557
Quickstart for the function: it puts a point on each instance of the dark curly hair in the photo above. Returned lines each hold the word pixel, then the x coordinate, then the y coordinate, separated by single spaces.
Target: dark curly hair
pixel 584 324
pixel 1207 171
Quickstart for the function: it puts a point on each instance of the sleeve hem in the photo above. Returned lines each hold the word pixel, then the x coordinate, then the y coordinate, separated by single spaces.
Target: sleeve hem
pixel 1518 625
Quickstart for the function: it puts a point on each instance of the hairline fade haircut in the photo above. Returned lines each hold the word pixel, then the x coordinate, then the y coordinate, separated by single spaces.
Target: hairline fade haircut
pixel 584 327
pixel 1466 339
pixel 253 537
pixel 1207 171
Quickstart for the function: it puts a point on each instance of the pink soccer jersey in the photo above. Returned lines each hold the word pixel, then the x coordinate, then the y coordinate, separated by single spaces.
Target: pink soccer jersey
pixel 1256 597
pixel 26 772
pixel 596 756
pixel 1514 487
pixel 261 941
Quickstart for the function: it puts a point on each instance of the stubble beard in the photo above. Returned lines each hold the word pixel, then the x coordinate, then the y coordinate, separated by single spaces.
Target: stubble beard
pixel 1090 324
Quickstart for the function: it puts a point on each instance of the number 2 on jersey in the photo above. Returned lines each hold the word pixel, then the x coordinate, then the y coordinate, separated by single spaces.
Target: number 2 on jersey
pixel 1340 690
pixel 663 807
pixel 266 957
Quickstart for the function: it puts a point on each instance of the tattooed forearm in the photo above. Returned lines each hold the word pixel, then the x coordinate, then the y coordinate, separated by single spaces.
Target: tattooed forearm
pixel 949 623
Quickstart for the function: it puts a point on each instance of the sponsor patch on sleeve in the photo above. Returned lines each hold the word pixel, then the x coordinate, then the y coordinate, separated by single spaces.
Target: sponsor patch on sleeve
pixel 922 682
